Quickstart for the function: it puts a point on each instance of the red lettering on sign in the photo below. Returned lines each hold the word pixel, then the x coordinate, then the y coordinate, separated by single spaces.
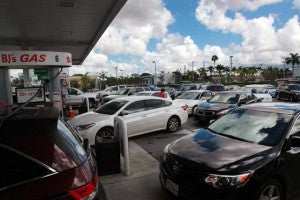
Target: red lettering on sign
pixel 24 58
pixel 42 58
pixel 33 58
pixel 4 58
pixel 69 59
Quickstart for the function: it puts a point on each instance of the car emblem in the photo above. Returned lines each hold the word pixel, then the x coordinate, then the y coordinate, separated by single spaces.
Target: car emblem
pixel 176 169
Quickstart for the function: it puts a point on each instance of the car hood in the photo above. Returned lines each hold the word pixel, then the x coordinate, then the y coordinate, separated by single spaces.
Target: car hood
pixel 88 118
pixel 214 106
pixel 215 153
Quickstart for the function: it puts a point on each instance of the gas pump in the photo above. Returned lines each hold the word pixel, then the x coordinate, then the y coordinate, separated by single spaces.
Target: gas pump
pixel 54 62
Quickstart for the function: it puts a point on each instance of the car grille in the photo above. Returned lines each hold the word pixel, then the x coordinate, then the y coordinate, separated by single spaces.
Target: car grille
pixel 205 112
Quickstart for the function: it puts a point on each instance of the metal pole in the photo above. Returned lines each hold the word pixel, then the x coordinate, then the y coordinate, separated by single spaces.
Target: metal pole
pixel 5 90
pixel 193 70
pixel 155 83
pixel 55 88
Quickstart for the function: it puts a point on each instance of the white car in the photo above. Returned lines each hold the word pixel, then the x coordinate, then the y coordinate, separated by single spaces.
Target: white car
pixel 129 91
pixel 260 92
pixel 152 93
pixel 193 98
pixel 141 114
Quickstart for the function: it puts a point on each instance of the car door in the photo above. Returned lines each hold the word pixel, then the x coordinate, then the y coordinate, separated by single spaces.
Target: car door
pixel 158 114
pixel 136 118
pixel 292 160
pixel 73 97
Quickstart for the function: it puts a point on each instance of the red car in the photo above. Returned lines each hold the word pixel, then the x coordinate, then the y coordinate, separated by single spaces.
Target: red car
pixel 43 158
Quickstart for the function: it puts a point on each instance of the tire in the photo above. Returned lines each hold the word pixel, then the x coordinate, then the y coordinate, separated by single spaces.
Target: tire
pixel 173 124
pixel 270 189
pixel 278 96
pixel 105 132
pixel 194 110
pixel 291 98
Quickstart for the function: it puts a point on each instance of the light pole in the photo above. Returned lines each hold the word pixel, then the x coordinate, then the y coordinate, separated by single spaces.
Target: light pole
pixel 230 60
pixel 116 68
pixel 193 77
pixel 121 72
pixel 154 73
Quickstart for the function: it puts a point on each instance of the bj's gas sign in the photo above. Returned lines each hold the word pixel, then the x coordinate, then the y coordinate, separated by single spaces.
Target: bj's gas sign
pixel 19 58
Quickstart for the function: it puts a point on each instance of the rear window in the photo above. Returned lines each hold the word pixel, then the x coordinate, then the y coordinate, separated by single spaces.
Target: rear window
pixel 38 138
pixel 215 88
pixel 16 168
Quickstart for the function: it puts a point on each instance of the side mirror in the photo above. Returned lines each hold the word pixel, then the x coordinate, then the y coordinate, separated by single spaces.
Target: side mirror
pixel 295 141
pixel 129 94
pixel 123 113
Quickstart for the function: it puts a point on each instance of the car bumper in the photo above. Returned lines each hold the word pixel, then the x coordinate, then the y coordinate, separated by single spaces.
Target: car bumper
pixel 192 186
pixel 205 117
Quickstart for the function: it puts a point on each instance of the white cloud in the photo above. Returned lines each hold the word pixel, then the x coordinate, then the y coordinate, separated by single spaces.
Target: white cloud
pixel 262 43
pixel 135 25
pixel 296 4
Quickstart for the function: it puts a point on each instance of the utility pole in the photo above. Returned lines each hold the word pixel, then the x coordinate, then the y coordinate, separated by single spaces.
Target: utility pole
pixel 116 68
pixel 193 78
pixel 230 61
pixel 155 83
pixel 203 64
pixel 121 73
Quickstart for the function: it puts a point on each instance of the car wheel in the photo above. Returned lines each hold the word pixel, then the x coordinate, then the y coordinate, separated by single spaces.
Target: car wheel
pixel 271 190
pixel 277 97
pixel 106 132
pixel 291 98
pixel 194 110
pixel 173 124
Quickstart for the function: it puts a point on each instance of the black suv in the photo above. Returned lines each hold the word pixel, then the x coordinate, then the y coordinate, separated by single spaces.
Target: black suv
pixel 289 92
pixel 251 153
pixel 221 104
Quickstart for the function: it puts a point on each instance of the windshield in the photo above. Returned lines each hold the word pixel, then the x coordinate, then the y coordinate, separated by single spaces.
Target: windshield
pixel 230 98
pixel 188 87
pixel 190 95
pixel 259 90
pixel 111 108
pixel 215 88
pixel 294 87
pixel 266 128
pixel 122 91
pixel 143 94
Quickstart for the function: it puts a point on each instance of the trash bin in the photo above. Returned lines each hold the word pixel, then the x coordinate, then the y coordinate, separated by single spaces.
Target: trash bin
pixel 108 155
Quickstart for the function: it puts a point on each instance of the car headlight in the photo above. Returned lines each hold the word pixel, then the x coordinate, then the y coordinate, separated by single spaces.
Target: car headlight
pixel 85 127
pixel 224 181
pixel 223 112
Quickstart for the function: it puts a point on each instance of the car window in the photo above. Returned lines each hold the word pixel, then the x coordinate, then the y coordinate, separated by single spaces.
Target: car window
pixel 206 94
pixel 267 128
pixel 250 97
pixel 72 91
pixel 243 97
pixel 115 88
pixel 67 141
pixel 156 94
pixel 135 107
pixel 111 108
pixel 154 104
pixel 139 89
pixel 16 168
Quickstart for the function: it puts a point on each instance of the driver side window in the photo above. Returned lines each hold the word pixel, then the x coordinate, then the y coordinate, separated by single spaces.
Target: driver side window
pixel 135 107
pixel 71 91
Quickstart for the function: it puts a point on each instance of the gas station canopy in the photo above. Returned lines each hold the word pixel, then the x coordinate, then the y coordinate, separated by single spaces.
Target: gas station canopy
pixel 72 26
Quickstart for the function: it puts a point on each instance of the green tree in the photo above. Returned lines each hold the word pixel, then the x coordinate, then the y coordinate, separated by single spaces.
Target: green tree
pixel 177 76
pixel 293 60
pixel 214 58
pixel 85 82
pixel 74 83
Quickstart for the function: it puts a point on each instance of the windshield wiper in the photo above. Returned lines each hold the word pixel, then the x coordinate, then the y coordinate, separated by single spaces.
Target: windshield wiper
pixel 229 136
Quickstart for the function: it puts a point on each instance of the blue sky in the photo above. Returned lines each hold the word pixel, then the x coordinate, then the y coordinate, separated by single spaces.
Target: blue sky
pixel 175 32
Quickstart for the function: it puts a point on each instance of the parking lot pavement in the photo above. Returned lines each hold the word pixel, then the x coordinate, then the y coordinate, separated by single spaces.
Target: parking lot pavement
pixel 154 143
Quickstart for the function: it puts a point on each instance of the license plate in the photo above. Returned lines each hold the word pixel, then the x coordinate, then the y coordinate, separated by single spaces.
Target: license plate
pixel 172 187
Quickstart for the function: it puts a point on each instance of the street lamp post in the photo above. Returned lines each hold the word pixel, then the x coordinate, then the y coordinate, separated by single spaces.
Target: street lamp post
pixel 121 73
pixel 116 68
pixel 155 83
pixel 193 77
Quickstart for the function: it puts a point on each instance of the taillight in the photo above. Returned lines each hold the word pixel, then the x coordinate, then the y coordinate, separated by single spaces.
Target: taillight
pixel 86 192
pixel 184 107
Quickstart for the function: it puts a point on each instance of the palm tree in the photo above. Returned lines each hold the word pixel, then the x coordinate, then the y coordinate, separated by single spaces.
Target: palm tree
pixel 214 58
pixel 294 60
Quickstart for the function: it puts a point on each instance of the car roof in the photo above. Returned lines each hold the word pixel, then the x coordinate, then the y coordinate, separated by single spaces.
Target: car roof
pixel 198 91
pixel 276 107
pixel 136 98
pixel 234 92
pixel 149 91
pixel 34 113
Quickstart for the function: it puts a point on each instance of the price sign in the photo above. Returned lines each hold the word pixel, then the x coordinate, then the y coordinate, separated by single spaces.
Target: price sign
pixel 24 94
